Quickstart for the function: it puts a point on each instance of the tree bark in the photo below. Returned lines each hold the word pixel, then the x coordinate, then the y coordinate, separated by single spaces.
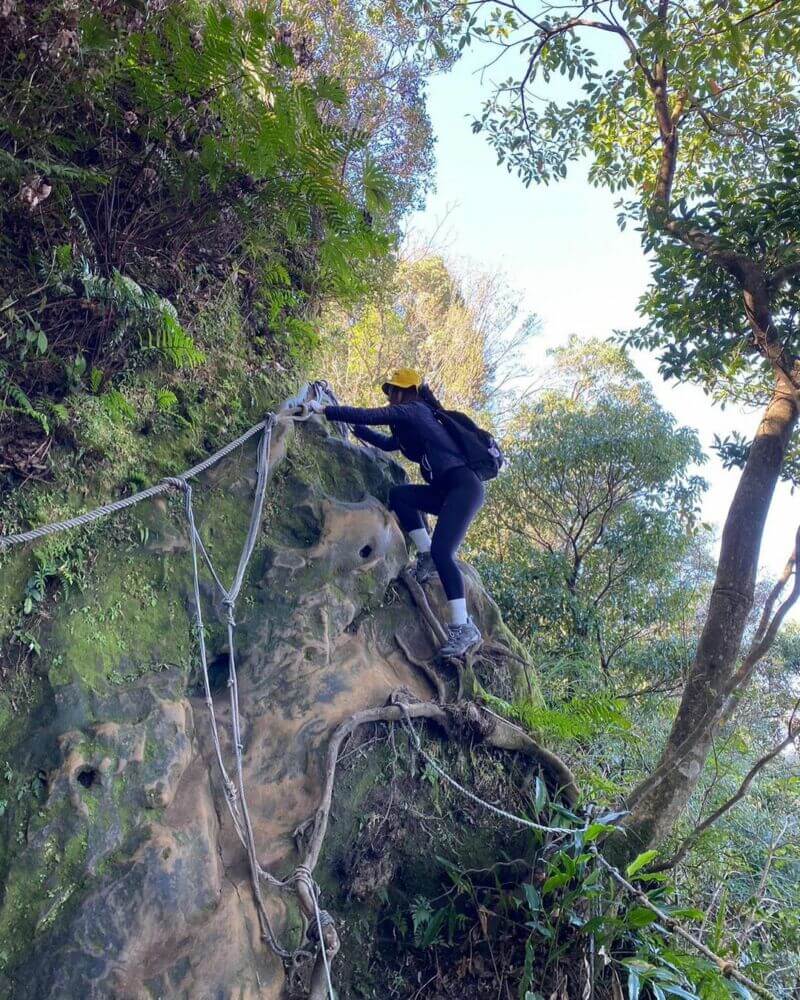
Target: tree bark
pixel 656 802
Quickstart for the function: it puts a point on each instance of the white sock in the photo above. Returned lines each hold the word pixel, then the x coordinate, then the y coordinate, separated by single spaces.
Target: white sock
pixel 421 538
pixel 458 611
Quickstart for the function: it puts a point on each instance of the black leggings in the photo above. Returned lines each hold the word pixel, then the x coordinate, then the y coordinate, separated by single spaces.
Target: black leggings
pixel 456 498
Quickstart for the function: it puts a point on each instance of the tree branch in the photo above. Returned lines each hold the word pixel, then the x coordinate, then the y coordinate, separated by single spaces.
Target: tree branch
pixel 785 273
pixel 765 634
pixel 793 731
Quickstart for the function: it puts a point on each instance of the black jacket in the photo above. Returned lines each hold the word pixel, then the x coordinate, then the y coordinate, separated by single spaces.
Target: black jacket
pixel 415 432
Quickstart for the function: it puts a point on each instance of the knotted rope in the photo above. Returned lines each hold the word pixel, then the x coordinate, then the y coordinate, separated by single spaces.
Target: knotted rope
pixel 234 791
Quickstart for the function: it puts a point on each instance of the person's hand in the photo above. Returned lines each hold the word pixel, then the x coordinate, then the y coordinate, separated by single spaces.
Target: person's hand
pixel 315 406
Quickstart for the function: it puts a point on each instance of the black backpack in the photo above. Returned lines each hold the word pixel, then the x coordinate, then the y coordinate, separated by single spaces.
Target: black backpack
pixel 477 446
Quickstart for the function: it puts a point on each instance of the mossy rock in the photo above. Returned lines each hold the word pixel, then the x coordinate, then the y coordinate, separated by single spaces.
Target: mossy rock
pixel 121 861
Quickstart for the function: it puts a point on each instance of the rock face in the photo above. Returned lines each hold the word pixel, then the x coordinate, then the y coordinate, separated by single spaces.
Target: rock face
pixel 120 873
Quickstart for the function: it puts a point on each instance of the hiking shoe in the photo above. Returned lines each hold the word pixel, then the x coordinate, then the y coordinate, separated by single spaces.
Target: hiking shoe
pixel 461 639
pixel 424 568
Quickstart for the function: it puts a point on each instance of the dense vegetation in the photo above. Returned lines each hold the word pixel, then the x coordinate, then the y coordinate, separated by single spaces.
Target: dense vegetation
pixel 202 205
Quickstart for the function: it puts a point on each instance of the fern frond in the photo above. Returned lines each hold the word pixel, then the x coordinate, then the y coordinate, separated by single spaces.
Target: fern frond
pixel 576 719
pixel 142 310
pixel 117 406
pixel 174 343
pixel 165 400
pixel 21 403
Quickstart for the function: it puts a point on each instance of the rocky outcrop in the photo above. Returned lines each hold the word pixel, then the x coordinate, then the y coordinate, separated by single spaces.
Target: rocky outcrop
pixel 121 875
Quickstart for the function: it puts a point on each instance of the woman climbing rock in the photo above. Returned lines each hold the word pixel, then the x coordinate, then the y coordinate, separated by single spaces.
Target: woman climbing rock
pixel 424 432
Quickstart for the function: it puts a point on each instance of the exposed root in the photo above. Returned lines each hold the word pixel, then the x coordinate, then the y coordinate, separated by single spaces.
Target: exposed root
pixel 477 721
pixel 506 736
pixel 433 678
pixel 421 601
pixel 389 713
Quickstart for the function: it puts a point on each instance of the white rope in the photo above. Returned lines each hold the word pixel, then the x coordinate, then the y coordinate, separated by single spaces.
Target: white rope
pixel 323 949
pixel 303 874
pixel 671 926
pixel 521 821
pixel 7 541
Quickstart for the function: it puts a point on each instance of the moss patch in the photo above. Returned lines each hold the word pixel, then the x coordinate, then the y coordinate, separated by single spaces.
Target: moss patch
pixel 36 892
pixel 123 625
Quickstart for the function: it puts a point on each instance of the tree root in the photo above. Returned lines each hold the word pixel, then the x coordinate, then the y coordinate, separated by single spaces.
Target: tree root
pixel 421 601
pixel 457 718
pixel 479 722
pixel 433 678
pixel 389 713
pixel 507 736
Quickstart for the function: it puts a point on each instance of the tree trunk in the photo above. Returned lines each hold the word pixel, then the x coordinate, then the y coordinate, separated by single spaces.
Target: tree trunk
pixel 658 801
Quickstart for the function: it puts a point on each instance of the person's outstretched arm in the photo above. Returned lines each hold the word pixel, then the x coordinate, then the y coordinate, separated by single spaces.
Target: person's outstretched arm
pixel 386 442
pixel 359 417
pixel 392 416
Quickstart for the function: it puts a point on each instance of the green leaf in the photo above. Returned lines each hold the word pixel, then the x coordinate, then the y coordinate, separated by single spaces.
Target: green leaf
pixel 555 882
pixel 639 916
pixel 532 897
pixel 594 830
pixel 540 796
pixel 639 862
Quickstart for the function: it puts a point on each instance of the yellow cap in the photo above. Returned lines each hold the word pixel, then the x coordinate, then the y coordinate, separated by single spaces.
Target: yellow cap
pixel 403 378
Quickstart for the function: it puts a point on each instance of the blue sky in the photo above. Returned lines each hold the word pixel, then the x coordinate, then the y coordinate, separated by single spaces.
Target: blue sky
pixel 561 248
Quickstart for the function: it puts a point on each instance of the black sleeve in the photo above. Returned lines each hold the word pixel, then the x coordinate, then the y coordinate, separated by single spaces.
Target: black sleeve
pixel 386 442
pixel 392 416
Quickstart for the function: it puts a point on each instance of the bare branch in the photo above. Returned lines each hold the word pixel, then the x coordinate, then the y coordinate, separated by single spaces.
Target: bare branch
pixel 766 633
pixel 793 731
pixel 775 593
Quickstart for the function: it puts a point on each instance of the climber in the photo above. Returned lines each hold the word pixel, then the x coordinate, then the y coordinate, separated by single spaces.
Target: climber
pixel 453 491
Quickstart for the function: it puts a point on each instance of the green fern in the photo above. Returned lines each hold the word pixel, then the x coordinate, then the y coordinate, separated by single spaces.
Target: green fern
pixel 59 413
pixel 117 406
pixel 166 400
pixel 145 313
pixel 377 187
pixel 174 343
pixel 579 718
pixel 20 403
pixel 13 168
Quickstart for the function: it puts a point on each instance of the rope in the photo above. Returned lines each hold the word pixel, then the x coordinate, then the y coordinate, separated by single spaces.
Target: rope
pixel 471 795
pixel 321 918
pixel 7 541
pixel 323 950
pixel 671 925
pixel 319 390
pixel 235 795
